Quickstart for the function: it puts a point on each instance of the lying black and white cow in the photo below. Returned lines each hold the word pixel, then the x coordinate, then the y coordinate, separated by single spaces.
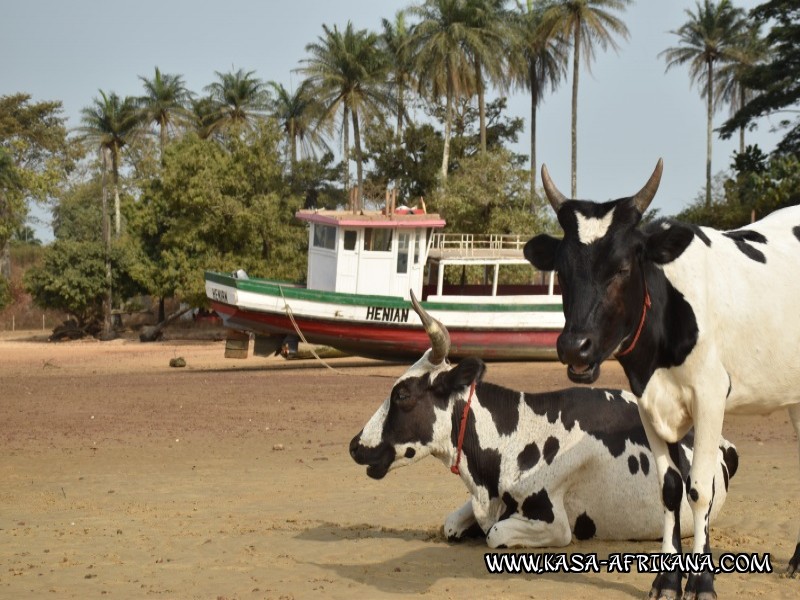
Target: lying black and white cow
pixel 539 467
pixel 703 322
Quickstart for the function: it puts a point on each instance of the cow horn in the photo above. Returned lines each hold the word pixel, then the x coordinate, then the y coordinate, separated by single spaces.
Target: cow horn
pixel 440 338
pixel 645 196
pixel 556 198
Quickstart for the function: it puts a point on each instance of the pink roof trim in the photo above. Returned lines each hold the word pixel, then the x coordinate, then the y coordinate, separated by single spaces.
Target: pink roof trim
pixel 370 219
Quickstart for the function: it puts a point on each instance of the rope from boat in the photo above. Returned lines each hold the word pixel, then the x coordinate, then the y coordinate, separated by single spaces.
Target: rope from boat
pixel 300 333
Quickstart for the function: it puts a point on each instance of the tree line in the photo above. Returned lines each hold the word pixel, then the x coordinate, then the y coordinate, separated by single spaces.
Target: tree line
pixel 150 190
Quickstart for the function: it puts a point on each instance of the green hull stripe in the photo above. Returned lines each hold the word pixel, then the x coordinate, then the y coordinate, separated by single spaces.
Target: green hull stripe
pixel 273 288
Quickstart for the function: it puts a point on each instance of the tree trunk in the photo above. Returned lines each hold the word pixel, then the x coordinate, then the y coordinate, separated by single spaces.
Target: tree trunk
pixel 574 130
pixel 709 109
pixel 5 261
pixel 534 101
pixel 346 147
pixel 481 104
pixel 359 166
pixel 447 127
pixel 107 242
pixel 741 129
pixel 292 145
pixel 161 310
pixel 115 179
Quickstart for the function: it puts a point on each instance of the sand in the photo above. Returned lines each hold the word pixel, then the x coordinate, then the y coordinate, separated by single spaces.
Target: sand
pixel 125 478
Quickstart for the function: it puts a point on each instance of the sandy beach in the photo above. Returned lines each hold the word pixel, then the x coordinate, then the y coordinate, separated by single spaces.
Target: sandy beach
pixel 125 478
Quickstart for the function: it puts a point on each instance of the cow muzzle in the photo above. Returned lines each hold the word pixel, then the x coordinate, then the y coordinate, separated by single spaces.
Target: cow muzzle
pixel 578 352
pixel 378 459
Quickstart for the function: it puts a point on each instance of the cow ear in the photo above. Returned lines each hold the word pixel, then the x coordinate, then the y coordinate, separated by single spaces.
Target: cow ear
pixel 541 251
pixel 460 376
pixel 668 242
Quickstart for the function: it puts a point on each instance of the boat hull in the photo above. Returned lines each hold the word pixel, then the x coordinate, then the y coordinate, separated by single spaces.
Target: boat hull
pixel 386 327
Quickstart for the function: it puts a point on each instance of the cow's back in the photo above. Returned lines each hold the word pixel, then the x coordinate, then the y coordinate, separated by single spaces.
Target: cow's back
pixel 744 289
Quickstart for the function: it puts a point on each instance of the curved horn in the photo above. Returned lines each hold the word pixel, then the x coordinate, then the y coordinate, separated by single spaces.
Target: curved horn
pixel 556 198
pixel 644 196
pixel 440 338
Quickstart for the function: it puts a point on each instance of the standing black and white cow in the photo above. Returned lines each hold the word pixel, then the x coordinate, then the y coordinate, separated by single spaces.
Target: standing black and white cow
pixel 540 468
pixel 702 321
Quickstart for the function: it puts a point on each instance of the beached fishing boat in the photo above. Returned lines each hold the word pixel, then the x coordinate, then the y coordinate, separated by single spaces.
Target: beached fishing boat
pixel 361 268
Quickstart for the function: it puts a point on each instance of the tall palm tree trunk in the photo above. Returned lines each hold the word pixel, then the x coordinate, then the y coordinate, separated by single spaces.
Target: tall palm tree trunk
pixel 742 102
pixel 115 179
pixel 448 125
pixel 535 91
pixel 709 109
pixel 107 242
pixel 481 103
pixel 574 128
pixel 346 147
pixel 359 166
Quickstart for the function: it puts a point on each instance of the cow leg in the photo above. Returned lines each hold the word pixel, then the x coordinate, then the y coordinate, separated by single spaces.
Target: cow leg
pixel 708 416
pixel 518 530
pixel 462 524
pixel 667 586
pixel 794 562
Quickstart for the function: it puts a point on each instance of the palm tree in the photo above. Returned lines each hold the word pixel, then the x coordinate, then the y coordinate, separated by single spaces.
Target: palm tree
pixel 441 61
pixel 585 23
pixel 109 125
pixel 752 49
pixel 164 103
pixel 202 115
pixel 348 73
pixel 298 114
pixel 711 35
pixel 239 100
pixel 538 61
pixel 395 44
pixel 486 36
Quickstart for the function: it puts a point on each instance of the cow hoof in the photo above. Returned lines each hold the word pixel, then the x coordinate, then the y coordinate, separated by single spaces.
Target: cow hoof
pixel 663 594
pixel 700 596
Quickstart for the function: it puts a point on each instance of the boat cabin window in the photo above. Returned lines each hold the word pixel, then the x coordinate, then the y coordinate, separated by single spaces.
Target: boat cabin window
pixel 402 252
pixel 350 238
pixel 377 240
pixel 324 236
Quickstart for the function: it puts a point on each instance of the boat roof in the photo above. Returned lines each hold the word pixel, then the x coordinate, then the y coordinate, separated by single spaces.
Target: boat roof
pixel 364 218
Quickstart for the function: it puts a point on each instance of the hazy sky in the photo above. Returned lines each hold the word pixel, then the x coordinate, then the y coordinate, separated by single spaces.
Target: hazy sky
pixel 630 111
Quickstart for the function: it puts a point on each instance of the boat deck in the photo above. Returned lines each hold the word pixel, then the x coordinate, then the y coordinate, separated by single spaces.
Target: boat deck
pixel 455 248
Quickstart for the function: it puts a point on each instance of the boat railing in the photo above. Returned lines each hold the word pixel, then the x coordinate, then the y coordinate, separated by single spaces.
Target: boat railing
pixel 466 245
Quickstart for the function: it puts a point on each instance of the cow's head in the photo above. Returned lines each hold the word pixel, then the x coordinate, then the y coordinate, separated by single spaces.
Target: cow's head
pixel 600 265
pixel 415 420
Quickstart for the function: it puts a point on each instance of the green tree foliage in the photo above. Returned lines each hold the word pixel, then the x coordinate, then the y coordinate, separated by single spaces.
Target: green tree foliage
pixel 776 81
pixel 164 103
pixel 489 194
pixel 760 185
pixel 72 278
pixel 218 207
pixel 236 102
pixel 34 161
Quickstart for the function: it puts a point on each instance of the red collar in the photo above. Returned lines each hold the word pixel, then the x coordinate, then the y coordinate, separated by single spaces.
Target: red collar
pixel 647 304
pixel 454 468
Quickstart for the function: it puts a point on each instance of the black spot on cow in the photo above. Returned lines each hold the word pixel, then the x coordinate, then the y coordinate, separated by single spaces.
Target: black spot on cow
pixel 614 422
pixel 699 233
pixel 742 239
pixel 511 506
pixel 730 386
pixel 483 464
pixel 633 464
pixel 529 456
pixel 551 447
pixel 410 453
pixel 538 507
pixel 585 528
pixel 731 459
pixel 502 404
pixel 645 463
pixel 690 491
pixel 796 232
pixel 672 492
